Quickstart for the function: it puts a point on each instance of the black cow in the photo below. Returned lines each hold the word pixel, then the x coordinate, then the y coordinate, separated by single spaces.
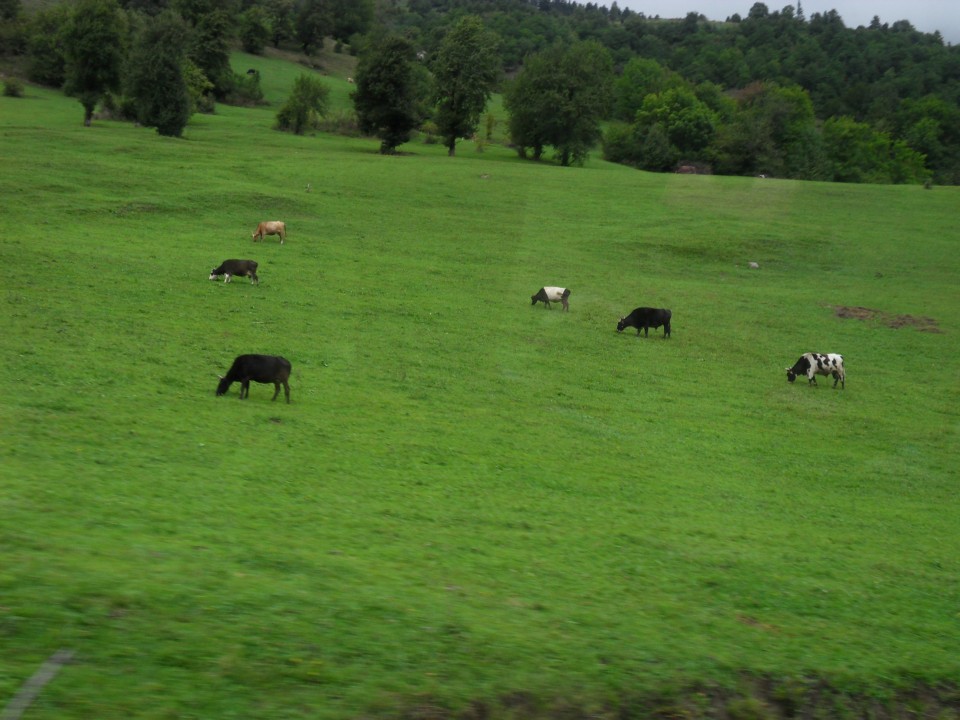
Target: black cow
pixel 259 368
pixel 644 318
pixel 240 268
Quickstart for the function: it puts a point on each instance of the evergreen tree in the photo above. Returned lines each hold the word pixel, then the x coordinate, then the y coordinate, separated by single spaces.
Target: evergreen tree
pixel 390 93
pixel 156 74
pixel 211 50
pixel 93 52
pixel 465 70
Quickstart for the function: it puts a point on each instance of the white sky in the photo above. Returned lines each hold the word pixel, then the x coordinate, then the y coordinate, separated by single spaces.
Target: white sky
pixel 924 15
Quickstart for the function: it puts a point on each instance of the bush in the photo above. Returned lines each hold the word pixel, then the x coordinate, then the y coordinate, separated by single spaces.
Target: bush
pixel 246 91
pixel 305 106
pixel 341 122
pixel 113 107
pixel 13 87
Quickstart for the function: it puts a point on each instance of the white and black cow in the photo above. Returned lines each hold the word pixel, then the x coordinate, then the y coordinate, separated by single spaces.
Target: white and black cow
pixel 813 364
pixel 259 368
pixel 241 268
pixel 644 318
pixel 550 294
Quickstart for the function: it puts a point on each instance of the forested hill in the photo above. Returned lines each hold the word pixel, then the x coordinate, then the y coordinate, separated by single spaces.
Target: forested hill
pixel 886 78
pixel 767 92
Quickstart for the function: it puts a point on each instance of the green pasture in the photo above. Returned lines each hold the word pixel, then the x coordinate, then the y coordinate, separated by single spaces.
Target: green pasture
pixel 471 505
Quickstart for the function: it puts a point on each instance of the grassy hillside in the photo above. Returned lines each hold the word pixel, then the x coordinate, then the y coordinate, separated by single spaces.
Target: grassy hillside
pixel 471 504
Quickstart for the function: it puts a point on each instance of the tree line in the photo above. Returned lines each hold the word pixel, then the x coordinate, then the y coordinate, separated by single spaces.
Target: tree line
pixel 771 93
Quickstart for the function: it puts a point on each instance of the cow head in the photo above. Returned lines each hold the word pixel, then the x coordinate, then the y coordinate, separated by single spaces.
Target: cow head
pixel 791 375
pixel 213 274
pixel 621 325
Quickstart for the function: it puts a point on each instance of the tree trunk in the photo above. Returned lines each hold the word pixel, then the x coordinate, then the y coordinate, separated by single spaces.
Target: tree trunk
pixel 451 147
pixel 87 115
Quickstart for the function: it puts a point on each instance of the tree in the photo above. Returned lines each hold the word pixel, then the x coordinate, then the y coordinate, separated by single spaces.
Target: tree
pixel 254 29
pixel 156 74
pixel 93 52
pixel 46 64
pixel 211 50
pixel 560 98
pixel 306 104
pixel 390 94
pixel 351 17
pixel 465 70
pixel 314 21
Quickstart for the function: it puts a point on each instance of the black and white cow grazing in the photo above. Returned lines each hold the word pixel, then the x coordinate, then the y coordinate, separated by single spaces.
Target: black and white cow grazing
pixel 259 368
pixel 644 318
pixel 549 294
pixel 813 364
pixel 241 268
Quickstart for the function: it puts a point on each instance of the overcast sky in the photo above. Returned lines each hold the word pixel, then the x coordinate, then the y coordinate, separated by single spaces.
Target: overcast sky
pixel 924 15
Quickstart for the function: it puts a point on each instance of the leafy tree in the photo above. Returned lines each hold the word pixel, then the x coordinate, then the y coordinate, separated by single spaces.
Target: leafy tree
pixel 10 10
pixel 280 14
pixel 858 153
pixel 210 50
pixel 314 21
pixel 254 29
pixel 560 98
pixel 465 69
pixel 46 63
pixel 155 74
pixel 351 17
pixel 390 94
pixel 306 104
pixel 688 123
pixel 93 52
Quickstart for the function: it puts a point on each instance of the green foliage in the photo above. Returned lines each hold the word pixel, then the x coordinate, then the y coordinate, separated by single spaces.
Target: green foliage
pixel 280 14
pixel 210 51
pixel 93 43
pixel 13 87
pixel 351 17
pixel 46 63
pixel 465 69
pixel 391 94
pixel 559 99
pixel 254 29
pixel 199 88
pixel 641 77
pixel 10 10
pixel 156 76
pixel 314 20
pixel 688 123
pixel 306 104
pixel 245 90
pixel 858 153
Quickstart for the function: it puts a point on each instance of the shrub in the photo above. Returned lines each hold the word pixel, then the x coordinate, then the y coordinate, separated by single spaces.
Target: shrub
pixel 341 122
pixel 305 106
pixel 246 91
pixel 13 87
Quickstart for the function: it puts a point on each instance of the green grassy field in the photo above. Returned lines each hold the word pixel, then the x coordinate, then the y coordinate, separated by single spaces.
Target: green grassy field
pixel 471 506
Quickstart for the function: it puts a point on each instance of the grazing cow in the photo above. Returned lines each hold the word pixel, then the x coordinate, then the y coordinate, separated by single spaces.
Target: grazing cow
pixel 259 368
pixel 273 227
pixel 644 318
pixel 241 268
pixel 813 364
pixel 550 294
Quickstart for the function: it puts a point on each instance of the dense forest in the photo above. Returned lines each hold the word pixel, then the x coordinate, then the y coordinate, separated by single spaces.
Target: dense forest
pixel 772 92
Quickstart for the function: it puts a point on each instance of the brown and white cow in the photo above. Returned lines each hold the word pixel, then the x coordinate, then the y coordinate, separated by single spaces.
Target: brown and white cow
pixel 271 227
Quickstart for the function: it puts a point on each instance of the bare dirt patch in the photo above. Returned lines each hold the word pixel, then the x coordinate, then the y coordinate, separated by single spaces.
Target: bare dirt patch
pixel 921 323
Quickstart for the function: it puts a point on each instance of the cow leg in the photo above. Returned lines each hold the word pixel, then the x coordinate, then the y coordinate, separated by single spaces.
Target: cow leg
pixel 226 278
pixel 244 389
pixel 566 305
pixel 276 390
pixel 286 391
